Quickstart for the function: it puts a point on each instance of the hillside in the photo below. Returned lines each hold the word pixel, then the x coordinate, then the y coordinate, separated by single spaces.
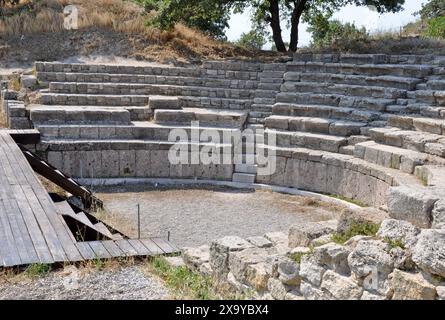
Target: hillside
pixel 33 30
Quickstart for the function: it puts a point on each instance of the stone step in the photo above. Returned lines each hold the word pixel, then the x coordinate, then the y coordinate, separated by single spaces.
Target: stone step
pixel 372 104
pixel 316 176
pixel 205 117
pixel 163 102
pixel 436 85
pixel 431 175
pixel 398 70
pixel 334 78
pixel 137 130
pixel 137 113
pixel 117 69
pixel 322 111
pixel 347 150
pixel 343 89
pixel 139 100
pixel 391 157
pixel 73 115
pixel 433 112
pixel 243 178
pixel 147 79
pixel 246 168
pixel 308 140
pixel 262 107
pixel 315 125
pixel 436 98
pixel 430 125
pixel 93 99
pixel 150 89
pixel 270 86
pixel 412 140
pixel 370 58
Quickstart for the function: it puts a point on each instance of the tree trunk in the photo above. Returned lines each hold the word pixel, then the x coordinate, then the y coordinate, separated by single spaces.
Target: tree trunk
pixel 275 25
pixel 295 23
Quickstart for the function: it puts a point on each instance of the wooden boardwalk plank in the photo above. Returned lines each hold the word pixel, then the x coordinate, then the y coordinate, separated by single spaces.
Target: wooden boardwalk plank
pixel 46 203
pixel 140 248
pixel 165 245
pixel 100 251
pixel 37 238
pixel 126 248
pixel 8 251
pixel 153 247
pixel 86 251
pixel 113 249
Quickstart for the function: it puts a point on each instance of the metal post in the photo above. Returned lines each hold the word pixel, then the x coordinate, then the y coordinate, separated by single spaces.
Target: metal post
pixel 139 221
pixel 168 235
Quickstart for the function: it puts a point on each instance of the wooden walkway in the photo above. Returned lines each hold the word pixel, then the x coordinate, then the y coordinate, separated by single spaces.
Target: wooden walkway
pixel 32 231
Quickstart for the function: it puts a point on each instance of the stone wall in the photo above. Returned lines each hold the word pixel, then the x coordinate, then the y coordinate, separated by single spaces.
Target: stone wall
pixel 400 262
pixel 14 110
pixel 128 160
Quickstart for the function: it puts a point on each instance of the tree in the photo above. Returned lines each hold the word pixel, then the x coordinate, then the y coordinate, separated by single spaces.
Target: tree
pixel 213 15
pixel 432 9
pixel 253 39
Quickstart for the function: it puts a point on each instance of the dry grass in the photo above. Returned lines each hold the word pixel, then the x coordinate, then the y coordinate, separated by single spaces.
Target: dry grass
pixel 117 222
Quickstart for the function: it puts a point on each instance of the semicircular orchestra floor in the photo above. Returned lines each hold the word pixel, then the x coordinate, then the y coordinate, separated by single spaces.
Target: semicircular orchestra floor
pixel 195 216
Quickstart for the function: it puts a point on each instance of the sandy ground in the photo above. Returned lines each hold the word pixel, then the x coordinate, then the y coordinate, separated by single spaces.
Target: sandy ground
pixel 197 216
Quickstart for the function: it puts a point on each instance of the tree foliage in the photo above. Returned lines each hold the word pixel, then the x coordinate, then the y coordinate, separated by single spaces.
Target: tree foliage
pixel 436 27
pixel 212 16
pixel 254 39
pixel 335 33
pixel 432 9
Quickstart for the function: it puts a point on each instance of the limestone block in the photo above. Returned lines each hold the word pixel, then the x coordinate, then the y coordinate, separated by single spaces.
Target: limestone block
pixel 220 250
pixel 411 204
pixel 302 235
pixel 399 230
pixel 409 286
pixel 429 251
pixel 311 271
pixel 340 287
pixel 371 262
pixel 333 256
pixel 260 242
pixel 110 164
pixel 194 258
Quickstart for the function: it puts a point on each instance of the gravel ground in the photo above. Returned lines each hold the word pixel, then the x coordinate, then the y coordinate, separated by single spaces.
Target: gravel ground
pixel 197 216
pixel 126 283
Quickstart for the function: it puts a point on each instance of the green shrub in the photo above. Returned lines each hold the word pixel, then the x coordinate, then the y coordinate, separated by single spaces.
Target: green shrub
pixel 38 270
pixel 254 39
pixel 436 27
pixel 356 229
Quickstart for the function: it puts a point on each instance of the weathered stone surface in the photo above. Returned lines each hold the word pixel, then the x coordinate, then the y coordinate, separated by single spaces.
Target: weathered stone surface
pixel 438 214
pixel 429 252
pixel 294 296
pixel 352 243
pixel 371 262
pixel 324 239
pixel 239 260
pixel 276 237
pixel 409 286
pixel 310 271
pixel 257 275
pixel 302 235
pixel 28 81
pixel 195 257
pixel 440 292
pixel 412 204
pixel 402 259
pixel 289 272
pixel 340 287
pixel 310 292
pixel 260 242
pixel 219 252
pixel 399 230
pixel 370 296
pixel 349 217
pixel 333 256
pixel 277 289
